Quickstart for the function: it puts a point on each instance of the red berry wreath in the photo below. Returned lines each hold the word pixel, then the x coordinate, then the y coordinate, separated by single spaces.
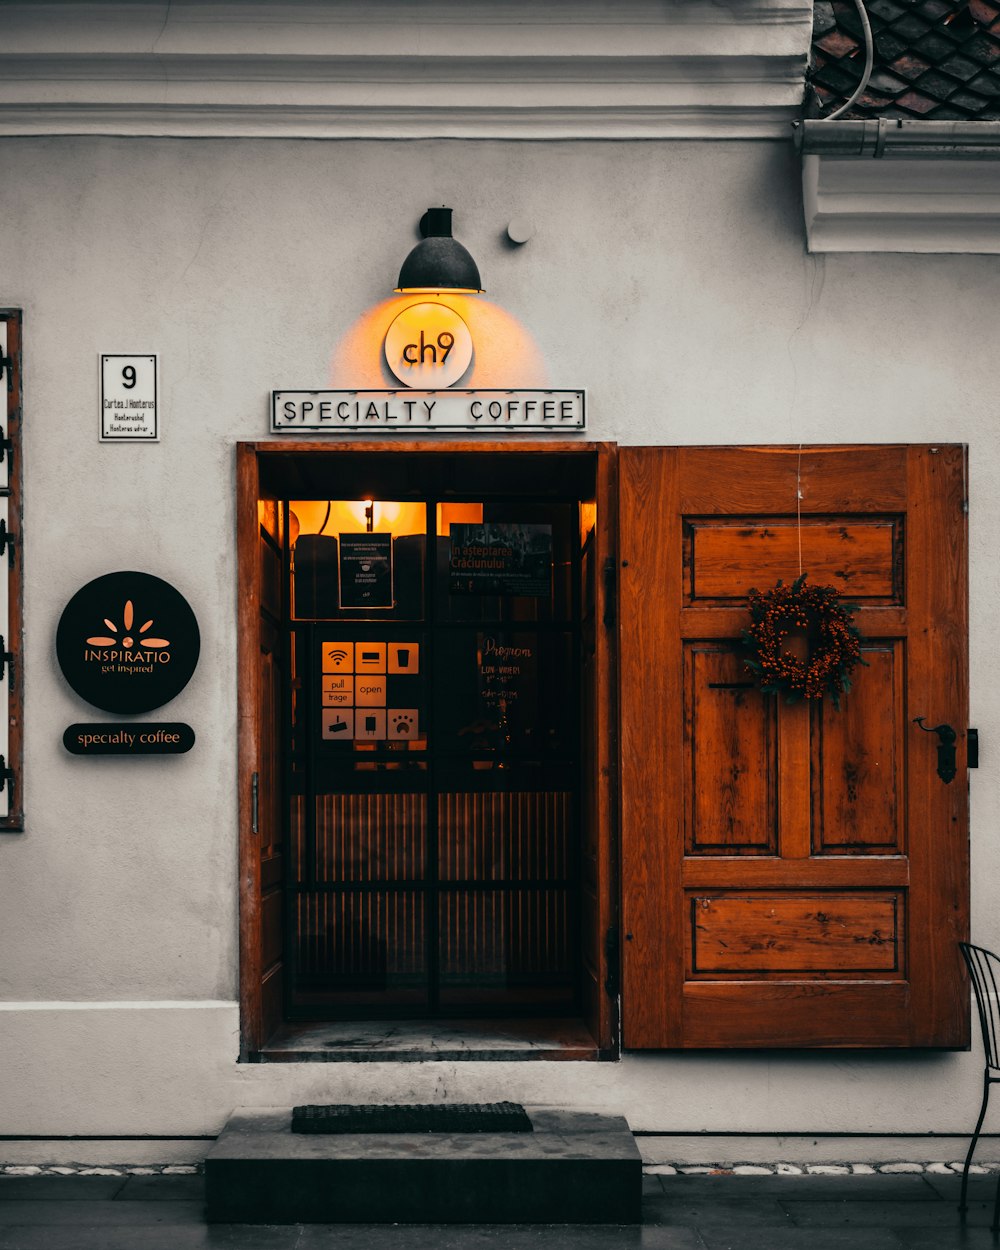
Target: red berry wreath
pixel 834 644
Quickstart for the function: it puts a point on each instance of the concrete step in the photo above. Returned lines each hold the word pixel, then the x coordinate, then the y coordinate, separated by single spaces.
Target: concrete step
pixel 573 1168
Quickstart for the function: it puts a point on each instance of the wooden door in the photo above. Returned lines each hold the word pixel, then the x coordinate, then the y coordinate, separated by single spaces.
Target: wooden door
pixel 598 886
pixel 261 791
pixel 793 875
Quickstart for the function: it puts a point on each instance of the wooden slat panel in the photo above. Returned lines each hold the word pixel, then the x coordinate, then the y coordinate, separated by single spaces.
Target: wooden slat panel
pixel 272 987
pixel 601 999
pixel 804 934
pixel 731 748
pixel 857 761
pixel 724 1014
pixel 505 938
pixel 652 768
pixel 271 872
pixel 271 928
pixel 358 940
pixel 726 622
pixel 269 518
pixel 724 559
pixel 270 579
pixel 371 837
pixel 515 836
pixel 256 1008
pixel 801 874
pixel 937 674
pixel 734 481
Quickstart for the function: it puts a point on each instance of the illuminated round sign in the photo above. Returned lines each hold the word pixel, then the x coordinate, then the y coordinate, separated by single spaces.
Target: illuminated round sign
pixel 428 346
pixel 128 642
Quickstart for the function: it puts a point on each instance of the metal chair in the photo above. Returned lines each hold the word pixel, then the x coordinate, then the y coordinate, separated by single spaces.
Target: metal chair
pixel 984 969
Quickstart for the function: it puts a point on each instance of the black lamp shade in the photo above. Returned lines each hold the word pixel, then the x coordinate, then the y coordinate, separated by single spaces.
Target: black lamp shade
pixel 439 262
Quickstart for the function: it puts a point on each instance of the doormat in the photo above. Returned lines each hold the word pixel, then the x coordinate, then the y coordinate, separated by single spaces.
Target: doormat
pixel 476 1117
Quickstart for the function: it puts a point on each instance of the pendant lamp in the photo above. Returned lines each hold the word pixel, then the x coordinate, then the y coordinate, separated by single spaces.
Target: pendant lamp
pixel 438 262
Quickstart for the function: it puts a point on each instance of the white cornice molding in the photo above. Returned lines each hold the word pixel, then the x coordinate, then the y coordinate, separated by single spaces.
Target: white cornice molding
pixel 553 69
pixel 909 187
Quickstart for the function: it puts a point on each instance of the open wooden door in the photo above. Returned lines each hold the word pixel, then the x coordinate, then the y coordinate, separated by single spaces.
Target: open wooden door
pixel 260 659
pixel 793 875
pixel 599 715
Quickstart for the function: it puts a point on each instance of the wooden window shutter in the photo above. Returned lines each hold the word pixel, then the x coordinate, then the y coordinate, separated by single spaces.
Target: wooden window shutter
pixel 792 875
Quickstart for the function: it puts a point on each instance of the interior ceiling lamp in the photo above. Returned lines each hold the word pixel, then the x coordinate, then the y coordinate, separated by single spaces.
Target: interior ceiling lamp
pixel 439 262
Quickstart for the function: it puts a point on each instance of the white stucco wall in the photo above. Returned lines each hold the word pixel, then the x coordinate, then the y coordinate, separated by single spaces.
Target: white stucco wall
pixel 668 278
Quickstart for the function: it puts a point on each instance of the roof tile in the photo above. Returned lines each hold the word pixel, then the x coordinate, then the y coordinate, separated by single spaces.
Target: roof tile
pixel 888 46
pixel 910 66
pixel 882 80
pixel 938 59
pixel 959 67
pixel 835 78
pixel 915 102
pixel 931 10
pixel 983 48
pixel 934 47
pixel 937 84
pixel 946 114
pixel 823 19
pixel 840 44
pixel 886 9
pixel 983 11
pixel 911 26
pixel 986 84
pixel 968 100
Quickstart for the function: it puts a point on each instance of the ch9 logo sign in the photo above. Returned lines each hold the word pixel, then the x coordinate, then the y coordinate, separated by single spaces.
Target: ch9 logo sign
pixel 428 346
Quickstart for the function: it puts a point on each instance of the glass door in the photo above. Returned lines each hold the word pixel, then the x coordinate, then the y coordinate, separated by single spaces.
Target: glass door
pixel 433 757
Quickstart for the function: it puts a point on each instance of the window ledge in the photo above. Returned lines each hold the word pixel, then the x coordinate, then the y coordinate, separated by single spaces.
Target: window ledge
pixel 888 186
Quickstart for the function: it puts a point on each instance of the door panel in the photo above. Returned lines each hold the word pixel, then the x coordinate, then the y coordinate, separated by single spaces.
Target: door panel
pixel 793 875
pixel 731 748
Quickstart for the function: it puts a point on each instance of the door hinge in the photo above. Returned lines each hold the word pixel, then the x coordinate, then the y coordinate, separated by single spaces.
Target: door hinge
pixel 972 748
pixel 7 368
pixel 6 661
pixel 611 951
pixel 6 779
pixel 5 445
pixel 609 591
pixel 7 541
pixel 255 803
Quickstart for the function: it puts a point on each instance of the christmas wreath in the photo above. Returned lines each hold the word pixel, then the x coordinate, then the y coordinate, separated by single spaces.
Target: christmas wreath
pixel 833 644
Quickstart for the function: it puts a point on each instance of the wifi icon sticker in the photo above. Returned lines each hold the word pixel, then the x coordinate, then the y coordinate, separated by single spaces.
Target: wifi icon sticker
pixel 338 657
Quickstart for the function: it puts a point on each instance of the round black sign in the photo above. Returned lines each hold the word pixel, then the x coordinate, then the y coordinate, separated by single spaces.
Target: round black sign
pixel 128 642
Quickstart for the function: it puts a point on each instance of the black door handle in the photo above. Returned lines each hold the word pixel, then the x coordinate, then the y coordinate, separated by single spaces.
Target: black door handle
pixel 947 738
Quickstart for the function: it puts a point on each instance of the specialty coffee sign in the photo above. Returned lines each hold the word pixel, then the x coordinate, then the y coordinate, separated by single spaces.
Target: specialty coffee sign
pixel 134 738
pixel 410 412
pixel 128 642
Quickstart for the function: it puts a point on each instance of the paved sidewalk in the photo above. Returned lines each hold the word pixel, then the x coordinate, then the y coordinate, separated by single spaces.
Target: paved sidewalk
pixel 698 1212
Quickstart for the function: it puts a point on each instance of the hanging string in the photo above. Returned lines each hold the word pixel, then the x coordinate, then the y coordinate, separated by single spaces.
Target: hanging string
pixel 798 505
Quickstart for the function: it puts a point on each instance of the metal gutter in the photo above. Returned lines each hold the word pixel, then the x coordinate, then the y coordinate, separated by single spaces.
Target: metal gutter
pixel 890 137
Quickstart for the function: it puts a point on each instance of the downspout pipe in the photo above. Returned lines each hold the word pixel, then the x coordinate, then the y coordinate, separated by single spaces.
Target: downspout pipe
pixel 895 138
